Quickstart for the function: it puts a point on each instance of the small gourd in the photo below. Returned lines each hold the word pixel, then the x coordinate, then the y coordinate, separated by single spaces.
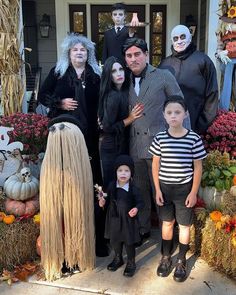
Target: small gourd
pixel 9 219
pixel 21 186
pixel 2 215
pixel 234 180
pixel 38 245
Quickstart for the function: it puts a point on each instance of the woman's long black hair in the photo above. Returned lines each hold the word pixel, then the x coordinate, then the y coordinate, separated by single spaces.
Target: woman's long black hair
pixel 107 84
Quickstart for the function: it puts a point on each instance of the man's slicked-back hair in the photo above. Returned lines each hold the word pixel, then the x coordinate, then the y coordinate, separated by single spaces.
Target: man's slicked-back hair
pixel 140 43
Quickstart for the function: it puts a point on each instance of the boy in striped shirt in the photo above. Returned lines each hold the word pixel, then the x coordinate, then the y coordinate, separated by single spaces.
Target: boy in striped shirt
pixel 177 170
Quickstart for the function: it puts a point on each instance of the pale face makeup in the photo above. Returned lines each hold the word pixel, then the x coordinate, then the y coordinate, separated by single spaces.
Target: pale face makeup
pixel 123 174
pixel 118 75
pixel 181 38
pixel 118 17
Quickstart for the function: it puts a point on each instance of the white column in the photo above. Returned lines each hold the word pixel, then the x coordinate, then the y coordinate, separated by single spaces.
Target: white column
pixel 212 20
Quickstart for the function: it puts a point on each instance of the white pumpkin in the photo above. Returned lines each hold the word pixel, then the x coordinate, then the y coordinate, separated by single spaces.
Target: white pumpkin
pixel 211 196
pixel 233 190
pixel 21 186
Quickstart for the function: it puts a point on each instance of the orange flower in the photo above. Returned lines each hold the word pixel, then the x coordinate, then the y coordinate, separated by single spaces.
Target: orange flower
pixel 215 215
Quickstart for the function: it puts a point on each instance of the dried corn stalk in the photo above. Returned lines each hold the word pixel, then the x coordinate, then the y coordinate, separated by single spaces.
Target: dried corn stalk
pixel 12 79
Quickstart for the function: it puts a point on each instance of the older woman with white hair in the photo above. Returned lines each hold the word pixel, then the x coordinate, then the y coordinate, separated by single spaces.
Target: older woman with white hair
pixel 72 86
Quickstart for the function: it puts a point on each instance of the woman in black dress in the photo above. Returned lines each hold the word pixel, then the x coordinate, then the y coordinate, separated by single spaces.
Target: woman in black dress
pixel 114 115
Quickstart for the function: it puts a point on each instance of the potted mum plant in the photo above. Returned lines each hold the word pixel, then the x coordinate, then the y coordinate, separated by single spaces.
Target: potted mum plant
pixel 30 129
pixel 221 135
pixel 217 177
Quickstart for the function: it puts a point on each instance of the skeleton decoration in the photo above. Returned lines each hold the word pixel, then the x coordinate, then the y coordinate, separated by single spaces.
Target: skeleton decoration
pixel 10 158
pixel 180 37
pixel 25 174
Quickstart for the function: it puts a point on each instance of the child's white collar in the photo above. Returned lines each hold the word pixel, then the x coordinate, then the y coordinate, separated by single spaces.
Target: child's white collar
pixel 125 187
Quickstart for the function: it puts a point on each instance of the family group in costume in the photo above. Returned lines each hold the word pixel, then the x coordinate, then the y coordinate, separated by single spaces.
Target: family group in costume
pixel 131 116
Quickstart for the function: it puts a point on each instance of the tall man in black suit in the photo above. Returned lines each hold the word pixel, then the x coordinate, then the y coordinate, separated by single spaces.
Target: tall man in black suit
pixel 115 38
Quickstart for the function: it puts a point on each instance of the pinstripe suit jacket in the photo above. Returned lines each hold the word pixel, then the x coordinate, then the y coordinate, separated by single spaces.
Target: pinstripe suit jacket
pixel 156 86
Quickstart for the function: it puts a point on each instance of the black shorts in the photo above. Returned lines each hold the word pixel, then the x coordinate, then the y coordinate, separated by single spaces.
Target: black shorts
pixel 174 207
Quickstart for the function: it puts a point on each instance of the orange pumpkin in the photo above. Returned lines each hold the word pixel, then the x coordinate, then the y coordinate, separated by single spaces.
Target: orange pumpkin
pixel 38 246
pixel 9 219
pixel 2 215
pixel 20 208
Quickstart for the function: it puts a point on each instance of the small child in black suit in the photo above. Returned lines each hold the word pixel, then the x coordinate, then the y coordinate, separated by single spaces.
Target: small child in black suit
pixel 124 202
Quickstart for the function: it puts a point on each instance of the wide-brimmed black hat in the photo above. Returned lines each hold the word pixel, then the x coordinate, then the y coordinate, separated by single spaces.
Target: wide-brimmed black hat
pixel 124 160
pixel 64 118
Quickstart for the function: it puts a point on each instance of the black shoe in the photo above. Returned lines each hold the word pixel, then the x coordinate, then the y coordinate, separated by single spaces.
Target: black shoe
pixel 130 268
pixel 180 271
pixel 164 267
pixel 116 263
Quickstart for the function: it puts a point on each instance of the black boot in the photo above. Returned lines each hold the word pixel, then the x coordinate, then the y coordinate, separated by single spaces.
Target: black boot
pixel 116 263
pixel 130 268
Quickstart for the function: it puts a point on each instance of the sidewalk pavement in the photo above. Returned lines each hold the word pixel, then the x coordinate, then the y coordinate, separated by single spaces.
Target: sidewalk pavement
pixel 202 280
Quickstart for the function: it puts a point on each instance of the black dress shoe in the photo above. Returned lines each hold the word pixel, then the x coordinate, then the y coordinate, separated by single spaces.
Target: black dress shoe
pixel 116 263
pixel 130 268
pixel 180 271
pixel 164 267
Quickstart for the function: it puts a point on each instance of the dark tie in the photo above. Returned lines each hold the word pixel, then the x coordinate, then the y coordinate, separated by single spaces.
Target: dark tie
pixel 117 30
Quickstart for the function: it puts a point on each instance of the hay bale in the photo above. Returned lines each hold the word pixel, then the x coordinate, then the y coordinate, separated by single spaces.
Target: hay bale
pixel 196 237
pixel 18 243
pixel 229 204
pixel 196 230
pixel 217 249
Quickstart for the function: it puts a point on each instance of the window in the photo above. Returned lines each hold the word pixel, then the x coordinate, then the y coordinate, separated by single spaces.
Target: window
pixel 157 33
pixel 78 19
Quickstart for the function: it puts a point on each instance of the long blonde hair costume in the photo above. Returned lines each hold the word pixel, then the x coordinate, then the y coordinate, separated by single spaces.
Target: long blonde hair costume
pixel 66 203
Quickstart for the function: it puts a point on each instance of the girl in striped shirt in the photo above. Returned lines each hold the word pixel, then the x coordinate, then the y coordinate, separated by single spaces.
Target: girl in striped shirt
pixel 177 169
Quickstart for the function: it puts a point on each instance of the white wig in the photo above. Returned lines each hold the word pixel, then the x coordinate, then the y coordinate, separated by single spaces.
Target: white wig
pixel 70 41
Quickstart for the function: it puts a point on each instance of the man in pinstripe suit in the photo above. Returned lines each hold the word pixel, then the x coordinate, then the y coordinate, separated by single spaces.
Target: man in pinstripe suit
pixel 150 87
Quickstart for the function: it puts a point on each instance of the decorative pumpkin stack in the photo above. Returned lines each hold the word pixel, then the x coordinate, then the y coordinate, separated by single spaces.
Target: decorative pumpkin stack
pixel 21 190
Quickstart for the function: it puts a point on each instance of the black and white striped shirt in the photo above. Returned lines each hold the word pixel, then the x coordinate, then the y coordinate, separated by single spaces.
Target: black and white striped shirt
pixel 177 155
